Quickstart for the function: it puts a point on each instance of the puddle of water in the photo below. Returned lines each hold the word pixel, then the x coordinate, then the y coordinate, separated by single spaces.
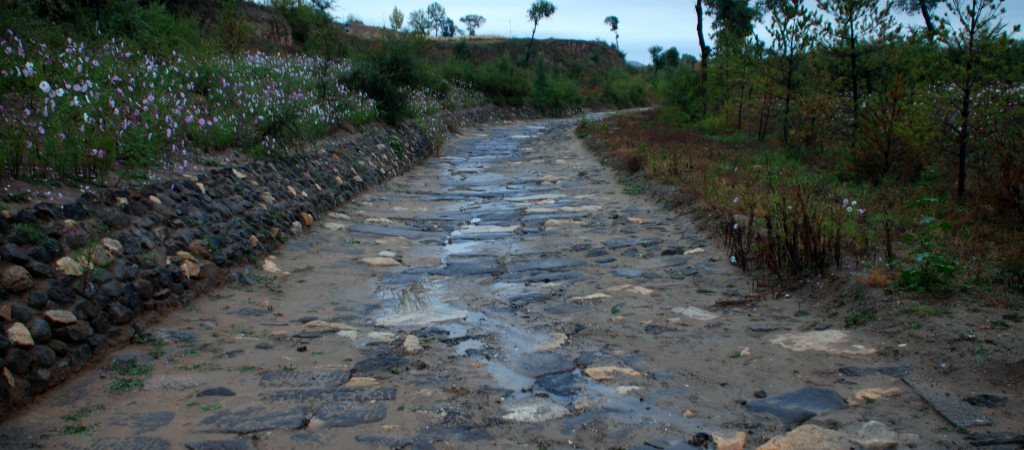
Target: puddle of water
pixel 416 306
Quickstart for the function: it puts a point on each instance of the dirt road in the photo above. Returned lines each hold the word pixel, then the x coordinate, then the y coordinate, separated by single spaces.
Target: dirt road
pixel 546 308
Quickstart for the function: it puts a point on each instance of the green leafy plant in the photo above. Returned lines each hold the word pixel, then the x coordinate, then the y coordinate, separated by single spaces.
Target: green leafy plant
pixel 930 269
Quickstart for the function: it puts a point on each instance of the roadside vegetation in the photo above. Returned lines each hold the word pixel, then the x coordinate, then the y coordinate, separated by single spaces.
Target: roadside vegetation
pixel 848 141
pixel 100 92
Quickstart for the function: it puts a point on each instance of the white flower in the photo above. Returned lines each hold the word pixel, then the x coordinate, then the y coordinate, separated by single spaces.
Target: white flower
pixel 45 87
pixel 60 92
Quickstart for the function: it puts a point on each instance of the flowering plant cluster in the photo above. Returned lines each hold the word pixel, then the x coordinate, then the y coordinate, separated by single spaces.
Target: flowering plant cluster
pixel 78 111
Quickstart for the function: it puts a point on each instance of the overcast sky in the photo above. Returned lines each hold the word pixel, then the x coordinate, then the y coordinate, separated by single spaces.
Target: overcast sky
pixel 642 23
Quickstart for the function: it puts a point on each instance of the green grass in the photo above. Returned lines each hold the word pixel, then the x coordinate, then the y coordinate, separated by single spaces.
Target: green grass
pixel 71 429
pixel 33 232
pixel 212 407
pixel 126 385
pixel 131 368
pixel 861 317
pixel 922 311
pixel 81 413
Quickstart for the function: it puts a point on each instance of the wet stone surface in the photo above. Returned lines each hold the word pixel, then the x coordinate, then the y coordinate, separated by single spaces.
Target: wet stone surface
pixel 507 294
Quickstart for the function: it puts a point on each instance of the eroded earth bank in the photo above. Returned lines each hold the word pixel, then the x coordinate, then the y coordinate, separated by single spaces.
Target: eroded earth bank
pixel 506 294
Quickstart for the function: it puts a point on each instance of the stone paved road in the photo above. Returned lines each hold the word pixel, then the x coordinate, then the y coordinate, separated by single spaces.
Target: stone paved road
pixel 507 294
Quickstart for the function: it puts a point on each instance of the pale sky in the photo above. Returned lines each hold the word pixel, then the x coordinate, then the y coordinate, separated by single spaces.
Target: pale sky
pixel 642 23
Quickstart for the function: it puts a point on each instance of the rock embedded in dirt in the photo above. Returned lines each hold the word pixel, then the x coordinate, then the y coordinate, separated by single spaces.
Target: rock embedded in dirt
pixel 874 435
pixel 795 408
pixel 836 342
pixel 254 419
pixel 809 437
pixel 347 414
pixel 378 261
pixel 610 373
pixel 233 444
pixel 892 371
pixel 216 392
pixel 987 400
pixel 960 414
pixel 533 410
pixel 411 345
pixel 738 441
pixel 996 438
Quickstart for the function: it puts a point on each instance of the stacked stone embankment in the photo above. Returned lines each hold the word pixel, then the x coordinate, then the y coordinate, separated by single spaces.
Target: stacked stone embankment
pixel 80 278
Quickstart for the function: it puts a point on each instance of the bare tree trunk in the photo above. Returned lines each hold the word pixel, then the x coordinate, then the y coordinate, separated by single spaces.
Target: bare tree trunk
pixel 529 49
pixel 705 53
pixel 927 20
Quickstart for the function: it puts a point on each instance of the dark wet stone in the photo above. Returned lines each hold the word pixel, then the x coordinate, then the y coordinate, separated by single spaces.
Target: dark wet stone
pixel 655 329
pixel 37 300
pixel 303 379
pixel 596 252
pixel 671 261
pixel 669 444
pixel 251 311
pixel 346 414
pixel 767 327
pixel 119 314
pixel 631 252
pixel 959 413
pixel 382 361
pixel 987 400
pixel 564 384
pixel 596 359
pixel 305 438
pixel 582 246
pixel 335 395
pixel 995 438
pixel 545 265
pixel 551 277
pixel 795 408
pixel 482 237
pixel 216 392
pixel 670 251
pixel 12 253
pixel 540 364
pixel 395 231
pixel 607 260
pixel 628 273
pixel 618 243
pixel 175 335
pixel 40 270
pixel 541 218
pixel 130 443
pixel 859 371
pixel 21 313
pixel 760 393
pixel 469 267
pixel 234 444
pixel 45 356
pixel 76 332
pixel 264 346
pixel 143 422
pixel 526 299
pixel 39 328
pixel 254 419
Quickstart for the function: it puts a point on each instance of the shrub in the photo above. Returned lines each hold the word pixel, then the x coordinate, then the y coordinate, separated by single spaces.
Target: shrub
pixel 389 73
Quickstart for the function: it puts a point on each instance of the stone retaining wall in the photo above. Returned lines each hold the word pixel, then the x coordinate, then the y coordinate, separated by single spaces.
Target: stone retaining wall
pixel 83 277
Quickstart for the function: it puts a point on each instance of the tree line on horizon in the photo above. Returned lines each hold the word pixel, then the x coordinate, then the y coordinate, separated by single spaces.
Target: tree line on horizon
pixel 846 75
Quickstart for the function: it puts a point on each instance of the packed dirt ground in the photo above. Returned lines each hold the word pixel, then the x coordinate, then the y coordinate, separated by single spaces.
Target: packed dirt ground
pixel 510 294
